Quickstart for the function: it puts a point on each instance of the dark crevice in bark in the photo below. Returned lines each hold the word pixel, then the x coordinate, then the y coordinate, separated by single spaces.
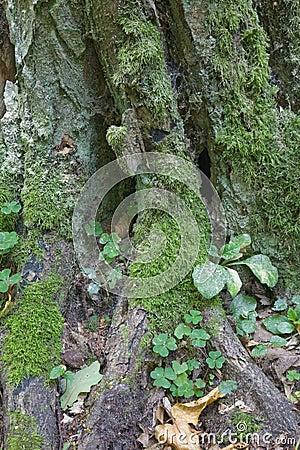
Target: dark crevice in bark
pixel 7 58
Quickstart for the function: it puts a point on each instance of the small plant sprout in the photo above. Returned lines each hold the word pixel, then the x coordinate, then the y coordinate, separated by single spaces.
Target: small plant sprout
pixel 8 240
pixel 193 317
pixel 244 315
pixel 60 372
pixel 6 280
pixel 12 207
pixel 163 343
pixel 210 278
pixel 293 375
pixel 259 350
pixel 215 360
pixel 227 387
pixel 182 330
pixel 199 386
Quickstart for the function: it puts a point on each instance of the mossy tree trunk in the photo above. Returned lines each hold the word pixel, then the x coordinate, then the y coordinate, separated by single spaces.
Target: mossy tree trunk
pixel 191 78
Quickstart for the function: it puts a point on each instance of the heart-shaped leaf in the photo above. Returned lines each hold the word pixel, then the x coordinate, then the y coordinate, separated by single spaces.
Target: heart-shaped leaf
pixel 209 279
pixel 263 269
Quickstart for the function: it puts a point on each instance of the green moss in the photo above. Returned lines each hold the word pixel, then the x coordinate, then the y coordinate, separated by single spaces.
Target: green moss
pixel 251 424
pixel 141 63
pixel 8 190
pixel 23 433
pixel 48 196
pixel 166 310
pixel 257 143
pixel 32 344
pixel 116 137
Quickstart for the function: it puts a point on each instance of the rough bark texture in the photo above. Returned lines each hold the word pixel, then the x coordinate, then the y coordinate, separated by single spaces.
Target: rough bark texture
pixel 191 78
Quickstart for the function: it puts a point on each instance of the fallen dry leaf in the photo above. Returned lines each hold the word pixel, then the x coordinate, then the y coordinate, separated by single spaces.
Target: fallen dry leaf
pixel 179 435
pixel 160 413
pixel 191 411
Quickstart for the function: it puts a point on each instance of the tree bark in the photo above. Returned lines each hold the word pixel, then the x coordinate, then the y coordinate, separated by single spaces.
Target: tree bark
pixel 188 78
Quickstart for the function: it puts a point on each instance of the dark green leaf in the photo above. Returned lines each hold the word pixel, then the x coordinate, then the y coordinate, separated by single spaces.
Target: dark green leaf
pixel 273 323
pixel 209 279
pixel 227 387
pixel 280 305
pixel 245 327
pixel 259 350
pixel 241 305
pixel 278 341
pixel 230 251
pixel 263 269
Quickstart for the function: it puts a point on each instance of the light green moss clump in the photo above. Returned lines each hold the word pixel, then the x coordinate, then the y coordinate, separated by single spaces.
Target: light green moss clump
pixel 166 310
pixel 8 190
pixel 117 137
pixel 23 433
pixel 48 197
pixel 141 63
pixel 32 343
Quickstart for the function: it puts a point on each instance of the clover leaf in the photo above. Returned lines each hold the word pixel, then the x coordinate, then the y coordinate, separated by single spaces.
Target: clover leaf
pixel 215 360
pixel 162 377
pixel 192 364
pixel 8 240
pixel 12 207
pixel 199 337
pixel 182 330
pixel 193 317
pixel 6 280
pixel 163 343
pixel 293 375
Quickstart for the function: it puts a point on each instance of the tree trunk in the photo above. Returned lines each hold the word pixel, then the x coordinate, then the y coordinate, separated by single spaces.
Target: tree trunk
pixel 91 81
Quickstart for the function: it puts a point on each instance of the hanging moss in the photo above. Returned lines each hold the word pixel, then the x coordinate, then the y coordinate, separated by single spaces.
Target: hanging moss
pixel 256 141
pixel 23 433
pixel 32 344
pixel 141 63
